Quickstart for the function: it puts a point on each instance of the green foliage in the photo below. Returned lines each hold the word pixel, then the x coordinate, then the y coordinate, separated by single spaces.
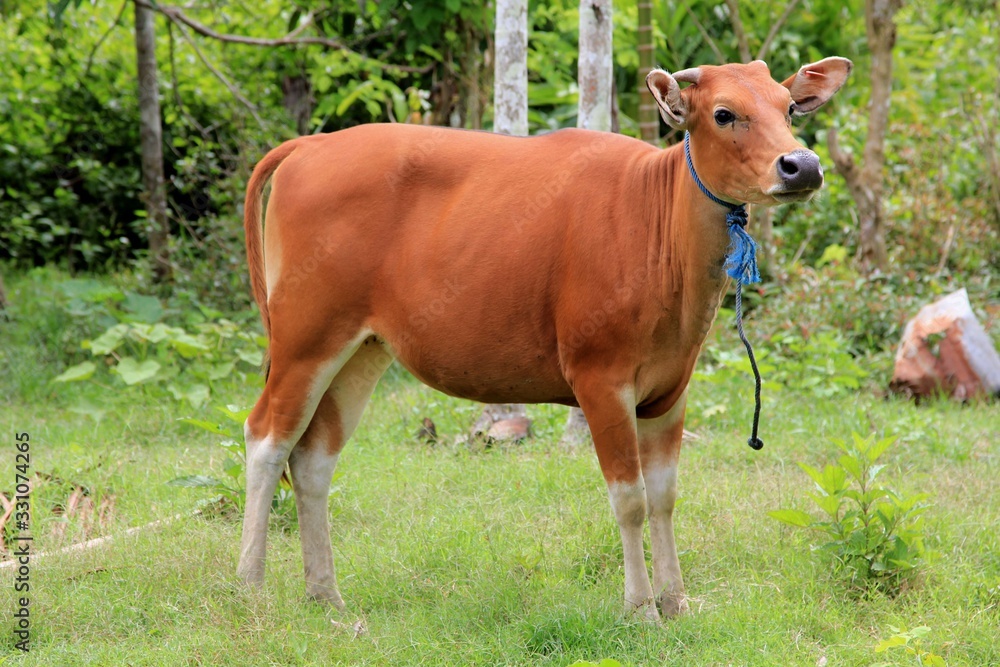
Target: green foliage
pixel 910 642
pixel 49 315
pixel 68 117
pixel 607 662
pixel 875 533
pixel 864 316
pixel 821 364
pixel 185 361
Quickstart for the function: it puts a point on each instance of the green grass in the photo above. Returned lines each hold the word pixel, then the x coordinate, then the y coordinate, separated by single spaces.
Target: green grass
pixel 508 556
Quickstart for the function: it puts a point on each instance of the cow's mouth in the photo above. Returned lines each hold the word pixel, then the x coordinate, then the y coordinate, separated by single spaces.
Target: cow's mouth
pixel 793 196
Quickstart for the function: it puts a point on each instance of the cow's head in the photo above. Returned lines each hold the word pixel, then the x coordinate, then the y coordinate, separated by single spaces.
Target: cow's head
pixel 740 124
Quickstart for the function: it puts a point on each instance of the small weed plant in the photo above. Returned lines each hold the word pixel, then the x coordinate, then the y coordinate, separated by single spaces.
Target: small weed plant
pixel 874 533
pixel 909 641
pixel 230 491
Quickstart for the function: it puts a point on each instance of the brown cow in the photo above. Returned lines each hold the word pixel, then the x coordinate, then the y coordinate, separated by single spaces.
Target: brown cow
pixel 577 267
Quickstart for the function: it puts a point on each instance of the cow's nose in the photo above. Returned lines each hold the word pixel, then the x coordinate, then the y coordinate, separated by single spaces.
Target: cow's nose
pixel 800 170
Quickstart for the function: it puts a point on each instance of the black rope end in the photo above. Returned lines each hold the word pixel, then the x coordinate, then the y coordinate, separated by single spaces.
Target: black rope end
pixel 755 443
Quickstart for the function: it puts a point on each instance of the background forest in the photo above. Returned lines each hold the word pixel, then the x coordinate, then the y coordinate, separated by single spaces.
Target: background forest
pixel 70 164
pixel 130 348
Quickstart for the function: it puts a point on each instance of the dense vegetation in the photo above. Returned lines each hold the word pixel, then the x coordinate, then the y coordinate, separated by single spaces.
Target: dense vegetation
pixel 68 111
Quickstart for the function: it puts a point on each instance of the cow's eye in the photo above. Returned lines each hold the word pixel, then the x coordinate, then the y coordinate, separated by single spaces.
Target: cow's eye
pixel 791 110
pixel 724 117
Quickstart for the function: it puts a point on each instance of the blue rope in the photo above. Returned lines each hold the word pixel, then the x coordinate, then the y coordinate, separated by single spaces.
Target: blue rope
pixel 741 266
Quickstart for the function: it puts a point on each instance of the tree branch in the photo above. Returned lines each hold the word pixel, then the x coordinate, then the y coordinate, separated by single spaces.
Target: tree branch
pixel 775 28
pixel 719 58
pixel 93 51
pixel 173 82
pixel 181 19
pixel 738 30
pixel 222 77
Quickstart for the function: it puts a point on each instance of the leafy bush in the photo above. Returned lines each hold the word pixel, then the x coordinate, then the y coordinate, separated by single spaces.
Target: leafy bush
pixel 821 364
pixel 863 318
pixel 185 361
pixel 140 350
pixel 874 533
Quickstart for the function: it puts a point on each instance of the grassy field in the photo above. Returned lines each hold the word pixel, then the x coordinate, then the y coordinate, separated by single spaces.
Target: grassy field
pixel 456 555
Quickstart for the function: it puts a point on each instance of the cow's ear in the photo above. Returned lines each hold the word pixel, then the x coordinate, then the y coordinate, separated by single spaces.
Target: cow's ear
pixel 667 94
pixel 813 85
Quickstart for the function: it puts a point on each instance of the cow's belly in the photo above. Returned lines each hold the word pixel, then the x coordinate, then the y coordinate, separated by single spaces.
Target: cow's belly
pixel 480 364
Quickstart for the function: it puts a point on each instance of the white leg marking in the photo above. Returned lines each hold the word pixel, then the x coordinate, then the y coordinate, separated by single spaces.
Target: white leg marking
pixel 312 469
pixel 660 474
pixel 263 472
pixel 266 458
pixel 629 503
pixel 312 465
pixel 661 492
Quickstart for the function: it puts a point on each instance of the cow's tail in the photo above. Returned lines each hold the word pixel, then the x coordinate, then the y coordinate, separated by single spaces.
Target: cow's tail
pixel 253 229
pixel 252 226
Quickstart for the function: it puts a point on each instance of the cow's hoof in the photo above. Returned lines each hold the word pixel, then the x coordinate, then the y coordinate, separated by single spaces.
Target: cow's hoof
pixel 326 596
pixel 252 577
pixel 644 611
pixel 674 605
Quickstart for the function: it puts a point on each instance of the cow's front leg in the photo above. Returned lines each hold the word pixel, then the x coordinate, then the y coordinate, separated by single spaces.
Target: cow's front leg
pixel 659 449
pixel 610 411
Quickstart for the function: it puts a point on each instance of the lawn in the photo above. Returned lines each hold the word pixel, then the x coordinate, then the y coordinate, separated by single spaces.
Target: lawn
pixel 459 555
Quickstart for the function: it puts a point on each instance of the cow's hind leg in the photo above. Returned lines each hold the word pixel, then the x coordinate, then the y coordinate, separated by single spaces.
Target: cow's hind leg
pixel 659 448
pixel 299 377
pixel 314 458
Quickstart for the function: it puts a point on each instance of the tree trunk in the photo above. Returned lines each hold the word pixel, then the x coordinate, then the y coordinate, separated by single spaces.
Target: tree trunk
pixel 742 43
pixel 297 99
pixel 867 182
pixel 510 81
pixel 474 79
pixel 510 116
pixel 151 145
pixel 595 82
pixel 649 117
pixel 594 67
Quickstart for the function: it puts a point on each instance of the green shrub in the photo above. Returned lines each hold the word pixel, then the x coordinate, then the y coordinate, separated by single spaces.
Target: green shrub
pixel 874 533
pixel 139 350
pixel 821 364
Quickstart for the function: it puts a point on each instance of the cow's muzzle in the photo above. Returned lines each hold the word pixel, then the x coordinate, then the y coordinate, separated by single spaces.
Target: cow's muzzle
pixel 800 175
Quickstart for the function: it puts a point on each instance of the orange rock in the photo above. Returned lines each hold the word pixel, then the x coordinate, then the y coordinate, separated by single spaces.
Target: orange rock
pixel 513 429
pixel 966 363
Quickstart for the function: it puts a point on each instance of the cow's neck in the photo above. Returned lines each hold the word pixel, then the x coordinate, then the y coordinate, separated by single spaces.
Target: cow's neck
pixel 693 240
